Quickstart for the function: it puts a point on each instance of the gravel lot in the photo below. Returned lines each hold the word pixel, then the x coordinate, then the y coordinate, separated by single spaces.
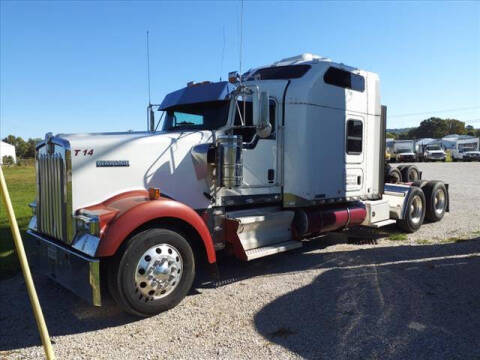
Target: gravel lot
pixel 355 295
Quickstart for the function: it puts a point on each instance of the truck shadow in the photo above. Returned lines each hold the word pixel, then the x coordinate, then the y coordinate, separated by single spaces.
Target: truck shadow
pixel 362 303
pixel 397 303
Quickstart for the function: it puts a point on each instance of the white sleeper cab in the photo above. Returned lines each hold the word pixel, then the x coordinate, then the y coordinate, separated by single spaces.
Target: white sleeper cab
pixel 249 167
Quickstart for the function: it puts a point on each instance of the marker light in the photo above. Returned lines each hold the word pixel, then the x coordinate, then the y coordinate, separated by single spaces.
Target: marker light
pixel 153 193
pixel 233 77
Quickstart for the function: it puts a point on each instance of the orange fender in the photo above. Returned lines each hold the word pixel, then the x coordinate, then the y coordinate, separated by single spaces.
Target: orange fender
pixel 122 214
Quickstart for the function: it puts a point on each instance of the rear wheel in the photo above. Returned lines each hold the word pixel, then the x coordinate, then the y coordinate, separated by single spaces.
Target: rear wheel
pixel 420 183
pixel 152 272
pixel 414 212
pixel 410 173
pixel 394 176
pixel 436 200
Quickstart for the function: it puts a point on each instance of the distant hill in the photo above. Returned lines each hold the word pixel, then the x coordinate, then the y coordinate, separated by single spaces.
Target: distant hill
pixel 400 131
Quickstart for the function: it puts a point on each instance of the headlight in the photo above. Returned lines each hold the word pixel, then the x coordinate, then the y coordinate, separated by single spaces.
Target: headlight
pixel 88 223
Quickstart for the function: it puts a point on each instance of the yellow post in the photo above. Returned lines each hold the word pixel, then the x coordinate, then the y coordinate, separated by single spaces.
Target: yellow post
pixel 37 310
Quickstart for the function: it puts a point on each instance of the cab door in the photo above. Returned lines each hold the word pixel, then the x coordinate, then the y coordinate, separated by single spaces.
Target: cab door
pixel 259 155
pixel 355 146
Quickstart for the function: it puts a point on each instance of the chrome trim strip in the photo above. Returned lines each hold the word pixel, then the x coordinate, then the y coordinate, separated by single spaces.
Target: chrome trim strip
pixel 55 140
pixel 95 283
pixel 68 209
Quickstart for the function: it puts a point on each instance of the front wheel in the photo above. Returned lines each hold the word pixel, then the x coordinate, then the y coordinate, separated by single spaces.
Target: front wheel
pixel 152 272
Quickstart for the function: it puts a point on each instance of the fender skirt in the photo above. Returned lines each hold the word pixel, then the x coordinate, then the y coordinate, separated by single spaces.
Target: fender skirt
pixel 122 214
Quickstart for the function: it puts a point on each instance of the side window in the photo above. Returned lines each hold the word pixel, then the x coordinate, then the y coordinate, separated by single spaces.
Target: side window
pixel 354 137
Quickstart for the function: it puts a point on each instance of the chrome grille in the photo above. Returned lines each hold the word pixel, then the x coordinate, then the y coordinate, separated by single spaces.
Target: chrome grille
pixel 51 214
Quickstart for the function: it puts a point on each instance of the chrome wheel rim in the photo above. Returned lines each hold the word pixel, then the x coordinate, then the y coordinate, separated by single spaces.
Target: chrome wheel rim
pixel 416 209
pixel 158 272
pixel 439 202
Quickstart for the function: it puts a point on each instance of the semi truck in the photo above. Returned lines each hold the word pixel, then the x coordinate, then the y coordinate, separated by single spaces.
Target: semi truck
pixel 248 167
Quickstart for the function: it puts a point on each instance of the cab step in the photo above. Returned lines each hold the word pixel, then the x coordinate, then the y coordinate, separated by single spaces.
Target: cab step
pixel 380 224
pixel 272 249
pixel 262 227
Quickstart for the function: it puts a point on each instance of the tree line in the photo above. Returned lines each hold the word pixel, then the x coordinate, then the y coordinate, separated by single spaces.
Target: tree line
pixel 23 149
pixel 436 128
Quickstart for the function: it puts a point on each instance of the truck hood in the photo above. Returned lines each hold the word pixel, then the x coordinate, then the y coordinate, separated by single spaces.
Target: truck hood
pixel 107 164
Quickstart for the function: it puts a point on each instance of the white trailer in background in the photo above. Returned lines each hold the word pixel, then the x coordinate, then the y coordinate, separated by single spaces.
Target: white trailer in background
pixel 7 149
pixel 461 145
pixel 249 167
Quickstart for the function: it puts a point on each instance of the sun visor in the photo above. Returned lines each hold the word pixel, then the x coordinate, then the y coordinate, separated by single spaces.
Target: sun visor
pixel 197 93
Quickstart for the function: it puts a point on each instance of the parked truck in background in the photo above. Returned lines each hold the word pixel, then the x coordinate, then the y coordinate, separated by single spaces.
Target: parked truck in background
pixel 404 151
pixel 433 152
pixel 465 149
pixel 248 167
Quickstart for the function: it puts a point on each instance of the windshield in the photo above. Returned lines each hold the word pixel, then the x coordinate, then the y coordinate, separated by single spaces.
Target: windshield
pixel 201 116
pixel 402 151
pixel 434 147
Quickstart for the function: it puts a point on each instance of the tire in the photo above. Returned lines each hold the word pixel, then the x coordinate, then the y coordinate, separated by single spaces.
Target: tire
pixel 414 212
pixel 420 183
pixel 410 173
pixel 127 272
pixel 436 198
pixel 394 176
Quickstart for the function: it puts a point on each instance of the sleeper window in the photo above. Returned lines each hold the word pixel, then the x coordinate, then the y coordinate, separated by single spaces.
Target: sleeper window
pixel 354 137
pixel 344 79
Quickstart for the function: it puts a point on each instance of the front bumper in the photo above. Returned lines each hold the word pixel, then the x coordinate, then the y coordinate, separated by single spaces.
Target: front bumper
pixel 435 157
pixel 471 158
pixel 77 272
pixel 406 158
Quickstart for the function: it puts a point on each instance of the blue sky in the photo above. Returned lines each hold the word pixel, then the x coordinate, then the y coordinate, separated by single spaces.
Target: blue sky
pixel 80 66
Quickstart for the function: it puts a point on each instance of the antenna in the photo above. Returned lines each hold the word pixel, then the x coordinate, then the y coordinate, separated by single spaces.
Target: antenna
pixel 241 39
pixel 223 53
pixel 148 70
pixel 150 114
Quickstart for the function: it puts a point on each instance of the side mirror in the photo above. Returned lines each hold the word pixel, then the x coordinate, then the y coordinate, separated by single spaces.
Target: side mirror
pixel 264 128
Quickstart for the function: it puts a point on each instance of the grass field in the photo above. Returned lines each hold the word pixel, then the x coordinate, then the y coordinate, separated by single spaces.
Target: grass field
pixel 21 186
